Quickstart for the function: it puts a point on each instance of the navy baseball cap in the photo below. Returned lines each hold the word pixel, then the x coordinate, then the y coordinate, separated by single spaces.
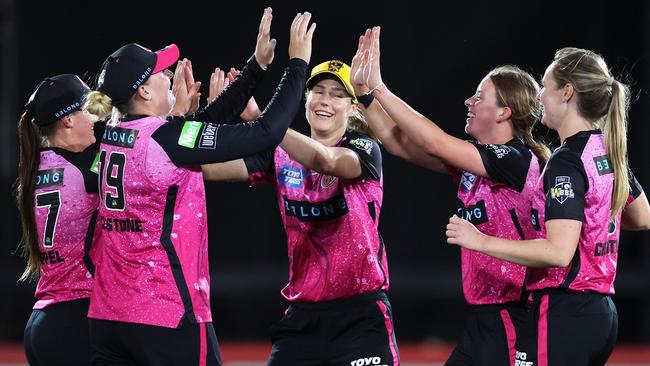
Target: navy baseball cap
pixel 56 97
pixel 129 67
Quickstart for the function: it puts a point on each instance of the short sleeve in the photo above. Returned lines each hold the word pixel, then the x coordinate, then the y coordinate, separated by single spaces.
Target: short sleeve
pixel 369 153
pixel 506 164
pixel 565 186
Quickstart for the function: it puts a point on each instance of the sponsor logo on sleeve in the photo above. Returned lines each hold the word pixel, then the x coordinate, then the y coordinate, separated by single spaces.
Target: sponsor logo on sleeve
pixel 118 136
pixel 562 189
pixel 291 176
pixel 94 167
pixel 603 166
pixel 49 178
pixel 208 139
pixel 467 181
pixel 189 134
pixel 362 144
pixel 499 150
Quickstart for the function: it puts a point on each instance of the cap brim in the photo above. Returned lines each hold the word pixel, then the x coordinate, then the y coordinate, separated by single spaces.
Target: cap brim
pixel 313 79
pixel 166 58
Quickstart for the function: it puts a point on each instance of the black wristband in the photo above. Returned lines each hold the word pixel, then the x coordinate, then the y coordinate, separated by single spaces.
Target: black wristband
pixel 365 99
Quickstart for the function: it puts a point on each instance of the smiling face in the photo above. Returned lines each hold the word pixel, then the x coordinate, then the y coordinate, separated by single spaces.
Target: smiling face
pixel 328 107
pixel 82 132
pixel 551 99
pixel 483 110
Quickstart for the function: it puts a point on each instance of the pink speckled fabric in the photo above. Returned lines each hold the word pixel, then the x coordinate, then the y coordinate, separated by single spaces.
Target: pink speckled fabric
pixel 334 258
pixel 64 275
pixel 488 280
pixel 595 273
pixel 135 279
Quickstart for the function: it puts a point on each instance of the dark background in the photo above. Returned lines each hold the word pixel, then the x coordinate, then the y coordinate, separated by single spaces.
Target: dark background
pixel 433 56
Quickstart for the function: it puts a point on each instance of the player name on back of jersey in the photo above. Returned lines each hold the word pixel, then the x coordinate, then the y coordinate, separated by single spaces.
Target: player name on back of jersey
pixel 122 225
pixel 51 257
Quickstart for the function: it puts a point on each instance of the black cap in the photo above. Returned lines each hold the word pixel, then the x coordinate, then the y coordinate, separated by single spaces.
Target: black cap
pixel 56 97
pixel 129 67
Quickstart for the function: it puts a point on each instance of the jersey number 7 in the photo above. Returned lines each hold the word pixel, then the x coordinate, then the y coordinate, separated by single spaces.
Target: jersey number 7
pixel 111 180
pixel 51 200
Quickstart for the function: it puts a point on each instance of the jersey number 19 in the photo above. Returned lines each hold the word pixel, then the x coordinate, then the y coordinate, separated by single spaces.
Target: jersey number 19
pixel 111 180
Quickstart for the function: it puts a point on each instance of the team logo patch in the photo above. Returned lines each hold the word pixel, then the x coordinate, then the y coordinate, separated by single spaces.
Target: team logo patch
pixel 191 130
pixel 499 150
pixel 562 190
pixel 49 178
pixel 208 138
pixel 291 176
pixel 327 181
pixel 467 181
pixel 362 144
pixel 603 166
pixel 118 136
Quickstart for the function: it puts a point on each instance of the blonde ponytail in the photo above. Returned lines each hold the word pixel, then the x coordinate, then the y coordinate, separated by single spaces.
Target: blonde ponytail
pixel 615 130
pixel 99 104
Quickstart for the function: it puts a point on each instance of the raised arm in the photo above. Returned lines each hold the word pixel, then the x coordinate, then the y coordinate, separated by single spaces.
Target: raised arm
pixel 420 131
pixel 386 130
pixel 190 142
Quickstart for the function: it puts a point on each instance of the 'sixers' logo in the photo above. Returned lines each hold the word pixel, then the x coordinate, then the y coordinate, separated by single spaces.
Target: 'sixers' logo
pixel 362 144
pixel 327 181
pixel 562 190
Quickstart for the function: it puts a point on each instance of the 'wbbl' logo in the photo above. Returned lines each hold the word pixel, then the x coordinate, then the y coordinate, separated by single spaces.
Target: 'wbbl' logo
pixel 562 190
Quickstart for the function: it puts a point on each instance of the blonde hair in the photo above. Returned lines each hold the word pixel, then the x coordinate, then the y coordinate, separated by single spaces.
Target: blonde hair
pixel 603 101
pixel 101 105
pixel 357 122
pixel 517 90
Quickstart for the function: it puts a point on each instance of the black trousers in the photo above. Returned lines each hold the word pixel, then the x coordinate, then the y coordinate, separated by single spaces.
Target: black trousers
pixel 489 335
pixel 566 328
pixel 346 332
pixel 58 335
pixel 118 343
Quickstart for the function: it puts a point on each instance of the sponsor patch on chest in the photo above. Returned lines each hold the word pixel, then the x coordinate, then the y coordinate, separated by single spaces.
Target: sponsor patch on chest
pixel 291 176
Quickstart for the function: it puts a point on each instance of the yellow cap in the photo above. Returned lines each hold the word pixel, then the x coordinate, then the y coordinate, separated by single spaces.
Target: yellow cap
pixel 336 68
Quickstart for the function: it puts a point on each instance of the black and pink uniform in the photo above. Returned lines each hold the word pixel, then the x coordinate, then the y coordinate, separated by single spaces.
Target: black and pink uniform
pixel 338 270
pixel 574 302
pixel 65 208
pixel 498 205
pixel 151 303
